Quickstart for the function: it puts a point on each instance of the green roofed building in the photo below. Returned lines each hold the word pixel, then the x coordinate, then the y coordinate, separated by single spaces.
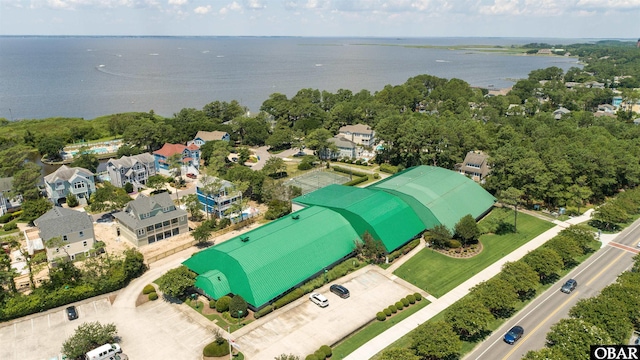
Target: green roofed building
pixel 437 195
pixel 264 263
pixel 267 262
pixel 386 217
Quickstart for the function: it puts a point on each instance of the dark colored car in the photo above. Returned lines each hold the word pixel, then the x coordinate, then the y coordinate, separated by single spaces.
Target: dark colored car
pixel 569 286
pixel 72 313
pixel 513 335
pixel 340 291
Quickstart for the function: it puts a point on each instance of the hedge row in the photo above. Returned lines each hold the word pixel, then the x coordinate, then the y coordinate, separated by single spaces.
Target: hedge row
pixel 404 250
pixel 322 353
pixel 356 181
pixel 348 171
pixel 401 304
pixel 389 169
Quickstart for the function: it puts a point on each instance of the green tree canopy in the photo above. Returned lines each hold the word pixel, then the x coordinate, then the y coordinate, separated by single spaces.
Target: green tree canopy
pixel 436 340
pixel 467 229
pixel 176 282
pixel 88 336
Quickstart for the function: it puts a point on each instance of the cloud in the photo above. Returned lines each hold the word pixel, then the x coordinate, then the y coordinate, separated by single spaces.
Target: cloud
pixel 234 6
pixel 177 2
pixel 255 4
pixel 202 10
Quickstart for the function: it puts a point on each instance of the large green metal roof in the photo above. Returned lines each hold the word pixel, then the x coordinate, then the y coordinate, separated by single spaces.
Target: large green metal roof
pixel 386 217
pixel 437 195
pixel 275 257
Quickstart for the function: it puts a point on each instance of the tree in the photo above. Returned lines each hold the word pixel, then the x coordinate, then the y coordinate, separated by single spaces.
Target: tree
pixel 201 234
pixel 193 206
pixel 72 200
pixel 497 295
pixel 237 307
pixel 522 277
pixel 467 229
pixel 128 187
pixel 175 165
pixel 287 357
pixel 567 248
pixel 469 318
pixel 607 313
pixel 88 336
pixel 243 155
pixel 571 336
pixel 7 273
pixel 274 167
pixel 157 181
pixel 399 354
pixel 439 236
pixel 33 209
pixel 610 214
pixel 546 354
pixel 579 194
pixel 318 140
pixel 25 181
pixel 372 249
pixel 436 341
pixel 86 159
pixel 134 265
pixel 512 196
pixel 545 262
pixel 50 147
pixel 176 282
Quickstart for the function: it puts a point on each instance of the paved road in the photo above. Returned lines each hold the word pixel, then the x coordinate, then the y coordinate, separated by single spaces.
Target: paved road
pixel 600 270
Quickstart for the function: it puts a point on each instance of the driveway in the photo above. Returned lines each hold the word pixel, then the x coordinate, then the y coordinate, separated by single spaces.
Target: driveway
pixel 263 155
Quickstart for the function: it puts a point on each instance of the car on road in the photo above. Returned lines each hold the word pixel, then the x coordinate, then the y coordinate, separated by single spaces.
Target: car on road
pixel 569 286
pixel 513 335
pixel 319 299
pixel 339 290
pixel 72 313
pixel 300 154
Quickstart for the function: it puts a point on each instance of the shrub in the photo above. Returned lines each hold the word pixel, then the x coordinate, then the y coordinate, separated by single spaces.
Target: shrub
pixel 326 349
pixel 148 289
pixel 311 357
pixel 128 187
pixel 393 308
pixel 381 316
pixel 237 307
pixel 222 304
pixel 262 312
pixel 72 200
pixel 356 181
pixel 5 218
pixel 212 304
pixel 405 302
pixel 376 176
pixel 400 305
pixel 418 296
pixel 454 244
pixel 11 225
pixel 216 350
pixel 277 209
pixel 411 298
pixel 387 311
pixel 153 296
pixel 319 354
pixel 349 171
pixel 304 166
pixel 293 295
pixel 223 223
pixel 389 169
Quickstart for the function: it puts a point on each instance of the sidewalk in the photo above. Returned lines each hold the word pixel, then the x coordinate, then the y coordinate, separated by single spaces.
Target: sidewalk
pixel 385 339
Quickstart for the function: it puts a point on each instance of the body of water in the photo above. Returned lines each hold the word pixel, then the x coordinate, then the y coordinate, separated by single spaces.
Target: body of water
pixel 89 77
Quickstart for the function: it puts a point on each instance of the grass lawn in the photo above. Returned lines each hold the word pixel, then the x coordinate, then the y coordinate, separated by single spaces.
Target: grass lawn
pixel 372 330
pixel 437 274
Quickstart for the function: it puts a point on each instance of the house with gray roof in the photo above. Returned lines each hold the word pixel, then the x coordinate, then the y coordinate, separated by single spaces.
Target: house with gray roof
pixel 360 134
pixel 344 148
pixel 75 228
pixel 69 180
pixel 475 166
pixel 134 169
pixel 205 136
pixel 560 112
pixel 8 202
pixel 148 219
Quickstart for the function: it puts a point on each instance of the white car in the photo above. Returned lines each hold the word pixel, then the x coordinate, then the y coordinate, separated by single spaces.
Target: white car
pixel 319 300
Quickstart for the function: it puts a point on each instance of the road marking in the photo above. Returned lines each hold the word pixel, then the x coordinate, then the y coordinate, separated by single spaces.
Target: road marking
pixel 516 346
pixel 606 268
pixel 624 247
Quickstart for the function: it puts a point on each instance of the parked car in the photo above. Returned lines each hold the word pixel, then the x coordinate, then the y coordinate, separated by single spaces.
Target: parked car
pixel 72 313
pixel 339 290
pixel 569 286
pixel 192 176
pixel 513 335
pixel 319 300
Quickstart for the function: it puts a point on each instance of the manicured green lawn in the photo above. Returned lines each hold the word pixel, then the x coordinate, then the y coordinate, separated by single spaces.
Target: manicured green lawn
pixel 372 330
pixel 437 274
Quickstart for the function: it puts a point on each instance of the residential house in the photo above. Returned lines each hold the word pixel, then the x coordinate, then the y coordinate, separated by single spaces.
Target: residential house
pixel 608 108
pixel 74 228
pixel 344 149
pixel 148 219
pixel 67 180
pixel 217 196
pixel 359 134
pixel 475 166
pixel 204 136
pixel 134 169
pixel 616 101
pixel 594 85
pixel 559 113
pixel 8 202
pixel 190 157
pixel 572 84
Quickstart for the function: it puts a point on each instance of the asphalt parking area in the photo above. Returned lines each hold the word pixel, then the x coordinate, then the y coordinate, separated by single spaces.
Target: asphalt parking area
pixel 156 330
pixel 302 327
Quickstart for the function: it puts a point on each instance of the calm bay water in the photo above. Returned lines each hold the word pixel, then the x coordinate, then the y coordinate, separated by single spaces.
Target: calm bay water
pixel 88 77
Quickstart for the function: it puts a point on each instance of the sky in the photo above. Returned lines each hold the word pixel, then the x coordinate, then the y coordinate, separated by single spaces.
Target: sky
pixel 612 19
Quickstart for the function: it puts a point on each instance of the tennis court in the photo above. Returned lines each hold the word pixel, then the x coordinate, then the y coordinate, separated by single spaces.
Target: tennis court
pixel 317 179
